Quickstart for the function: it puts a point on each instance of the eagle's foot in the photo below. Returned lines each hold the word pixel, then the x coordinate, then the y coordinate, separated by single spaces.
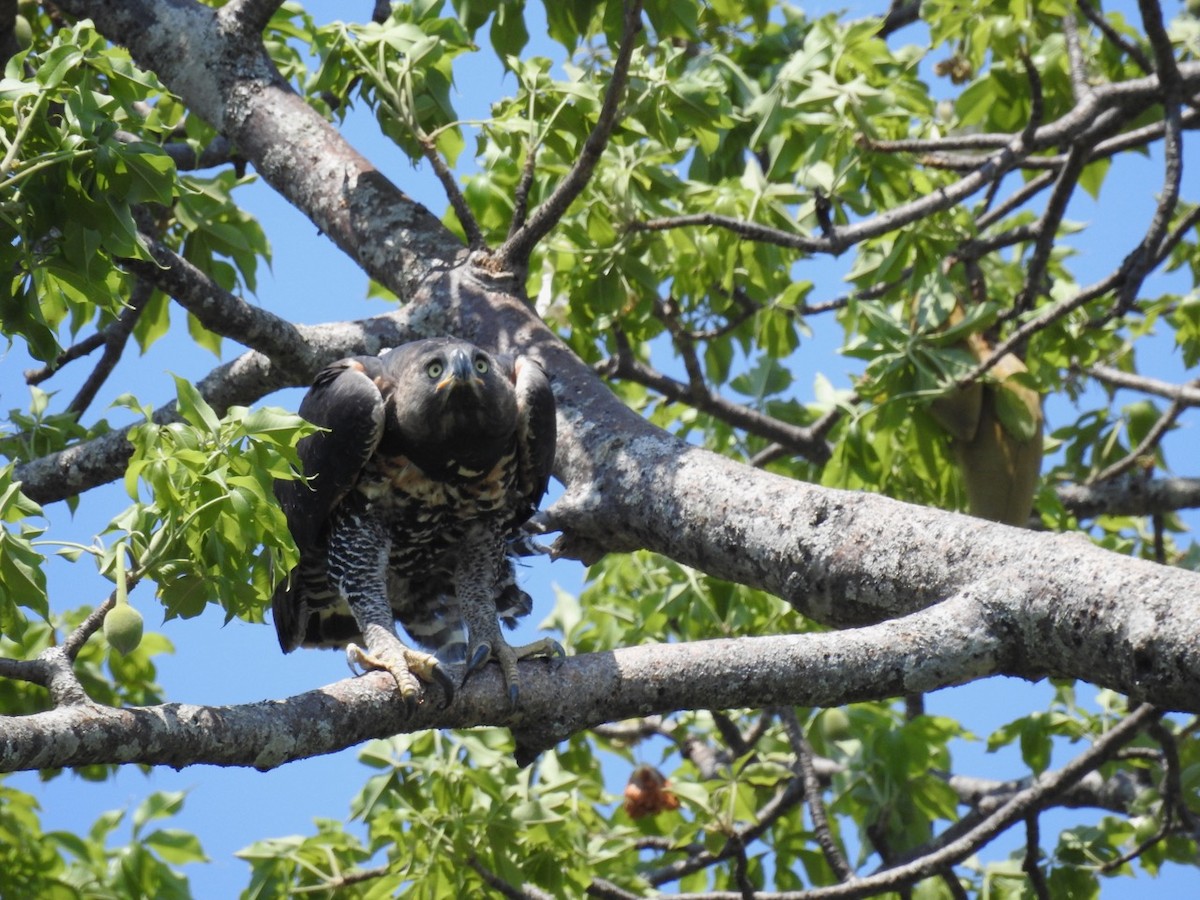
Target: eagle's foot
pixel 409 667
pixel 508 656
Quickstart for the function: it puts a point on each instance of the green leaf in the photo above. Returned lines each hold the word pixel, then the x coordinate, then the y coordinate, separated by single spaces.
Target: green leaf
pixel 1035 743
pixel 159 805
pixel 174 846
pixel 193 407
pixel 1018 410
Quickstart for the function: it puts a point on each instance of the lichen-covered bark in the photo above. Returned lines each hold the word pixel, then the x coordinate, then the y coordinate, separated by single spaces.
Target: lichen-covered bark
pixel 558 697
pixel 943 597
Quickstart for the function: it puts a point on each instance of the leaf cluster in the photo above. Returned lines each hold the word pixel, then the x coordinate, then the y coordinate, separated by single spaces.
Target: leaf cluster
pixel 210 531
pixel 59 865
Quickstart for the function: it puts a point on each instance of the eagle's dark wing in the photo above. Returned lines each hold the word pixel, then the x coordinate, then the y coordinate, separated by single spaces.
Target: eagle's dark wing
pixel 535 431
pixel 345 399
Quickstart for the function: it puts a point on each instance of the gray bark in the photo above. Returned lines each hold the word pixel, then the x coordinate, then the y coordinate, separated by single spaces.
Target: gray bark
pixel 928 598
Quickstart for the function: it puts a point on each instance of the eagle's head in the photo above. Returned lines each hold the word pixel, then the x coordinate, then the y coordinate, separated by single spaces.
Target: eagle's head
pixel 447 401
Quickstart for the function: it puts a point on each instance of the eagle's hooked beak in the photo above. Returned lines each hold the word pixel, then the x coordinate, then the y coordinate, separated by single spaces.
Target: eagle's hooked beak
pixel 459 370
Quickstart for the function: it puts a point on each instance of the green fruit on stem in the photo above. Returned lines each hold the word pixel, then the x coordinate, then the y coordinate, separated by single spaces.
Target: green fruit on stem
pixel 123 628
pixel 22 32
pixel 835 725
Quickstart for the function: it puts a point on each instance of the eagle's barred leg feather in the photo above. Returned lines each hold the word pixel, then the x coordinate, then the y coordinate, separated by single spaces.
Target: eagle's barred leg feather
pixel 475 580
pixel 358 556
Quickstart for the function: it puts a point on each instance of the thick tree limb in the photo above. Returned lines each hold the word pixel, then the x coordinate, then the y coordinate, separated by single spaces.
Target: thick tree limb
pixel 220 311
pixel 1042 604
pixel 795 669
pixel 955 642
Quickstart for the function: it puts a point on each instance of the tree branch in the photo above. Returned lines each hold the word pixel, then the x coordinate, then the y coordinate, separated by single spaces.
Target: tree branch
pixel 1047 787
pixel 244 380
pixel 900 13
pixel 1046 228
pixel 220 311
pixel 1187 394
pixel 514 253
pixel 1147 444
pixel 812 797
pixel 1033 852
pixel 794 438
pixel 1130 49
pixel 250 15
pixel 559 697
pixel 1012 150
pixel 1130 497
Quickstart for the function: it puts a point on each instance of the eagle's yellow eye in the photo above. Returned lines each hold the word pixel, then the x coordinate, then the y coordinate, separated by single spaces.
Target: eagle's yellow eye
pixel 481 366
pixel 435 369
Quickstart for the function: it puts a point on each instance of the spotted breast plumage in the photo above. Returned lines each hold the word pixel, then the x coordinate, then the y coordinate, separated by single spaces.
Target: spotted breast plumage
pixel 434 454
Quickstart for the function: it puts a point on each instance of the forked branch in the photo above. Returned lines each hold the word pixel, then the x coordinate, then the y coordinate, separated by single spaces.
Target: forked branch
pixel 514 253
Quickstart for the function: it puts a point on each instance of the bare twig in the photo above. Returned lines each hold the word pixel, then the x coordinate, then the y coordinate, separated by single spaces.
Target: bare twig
pixel 741 866
pixel 76 351
pixel 1145 446
pixel 667 312
pixel 521 194
pixel 1078 64
pixel 115 338
pixel 74 642
pixel 1132 50
pixel 514 253
pixel 1175 806
pixel 454 194
pixel 1033 852
pixel 1187 394
pixel 796 438
pixel 819 429
pixel 1142 259
pixel 812 795
pixel 502 887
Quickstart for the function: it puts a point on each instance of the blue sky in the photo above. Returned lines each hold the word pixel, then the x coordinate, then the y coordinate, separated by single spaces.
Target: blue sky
pixel 311 281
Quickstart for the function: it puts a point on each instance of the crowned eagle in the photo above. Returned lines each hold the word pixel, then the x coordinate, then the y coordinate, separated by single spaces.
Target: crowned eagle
pixel 432 457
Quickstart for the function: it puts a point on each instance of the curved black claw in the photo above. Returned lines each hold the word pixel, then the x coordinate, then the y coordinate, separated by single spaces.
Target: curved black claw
pixel 514 696
pixel 410 705
pixel 478 659
pixel 446 683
